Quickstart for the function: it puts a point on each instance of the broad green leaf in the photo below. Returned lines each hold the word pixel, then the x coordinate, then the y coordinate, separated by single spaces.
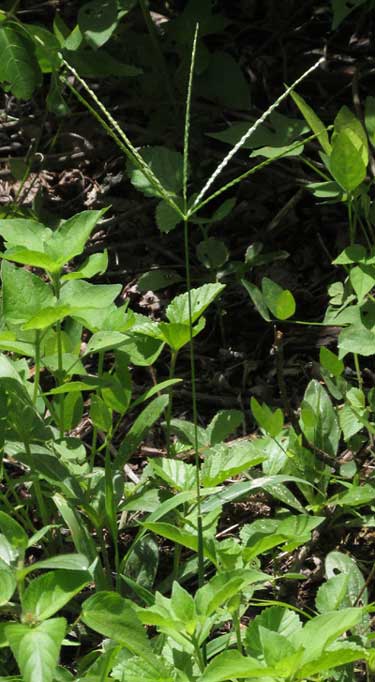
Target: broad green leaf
pixel 166 216
pixel 142 349
pixel 8 582
pixel 24 232
pixel 13 531
pixel 212 253
pixel 178 474
pixel 243 489
pixel 331 595
pixel 348 123
pixel 223 424
pixel 37 649
pixel 37 259
pixel 47 317
pixel 180 536
pixel 342 8
pixel 271 422
pixel 97 21
pixel 143 561
pixel 337 563
pixel 231 664
pixel 278 619
pixel 140 427
pixel 69 562
pixel 356 253
pixel 136 669
pixel 90 384
pixel 315 124
pixel 356 339
pixel 19 70
pixel 100 415
pixel 342 653
pixel 280 301
pixel 70 238
pixel 83 541
pixel 96 264
pixel 257 298
pixel 46 46
pixel 177 335
pixel 222 462
pixel 185 432
pixel 331 362
pixel 346 162
pixel 323 630
pixel 166 164
pixel 153 280
pixel 48 593
pixel 24 294
pixel 323 430
pixel 113 616
pixel 178 309
pixel 224 82
pixel 102 341
pixel 88 65
pixel 80 294
pixel 362 279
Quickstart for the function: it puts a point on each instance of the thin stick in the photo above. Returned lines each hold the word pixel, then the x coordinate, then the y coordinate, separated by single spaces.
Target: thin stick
pixel 251 130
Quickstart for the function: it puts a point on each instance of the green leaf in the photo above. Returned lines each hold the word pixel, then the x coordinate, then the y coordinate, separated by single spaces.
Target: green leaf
pixel 19 69
pixel 223 424
pixel 331 362
pixel 24 294
pixel 223 82
pixel 8 582
pixel 342 8
pixel 13 531
pixel 231 664
pixel 46 46
pixel 166 216
pixel 135 669
pixel 331 594
pixel 180 536
pixel 166 164
pixel 280 131
pixel 178 335
pixel 48 593
pixel 141 426
pixel 157 279
pixel 315 124
pixel 100 415
pixel 47 317
pixel 70 238
pixel 36 649
pixel 362 279
pixel 346 122
pixel 113 616
pixel 212 253
pixel 346 162
pixel 69 562
pixel 280 301
pixel 80 294
pixel 37 259
pixel 24 232
pixel 97 21
pixel 222 462
pixel 271 422
pixel 94 265
pixel 321 631
pixel 178 309
pixel 356 339
pixel 257 298
pixel 322 430
pixel 337 563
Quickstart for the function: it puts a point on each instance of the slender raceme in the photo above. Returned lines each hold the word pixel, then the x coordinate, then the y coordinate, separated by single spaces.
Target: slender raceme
pixel 251 130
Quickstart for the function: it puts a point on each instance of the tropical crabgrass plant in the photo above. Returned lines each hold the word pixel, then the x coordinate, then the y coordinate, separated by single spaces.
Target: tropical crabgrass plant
pixel 47 325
